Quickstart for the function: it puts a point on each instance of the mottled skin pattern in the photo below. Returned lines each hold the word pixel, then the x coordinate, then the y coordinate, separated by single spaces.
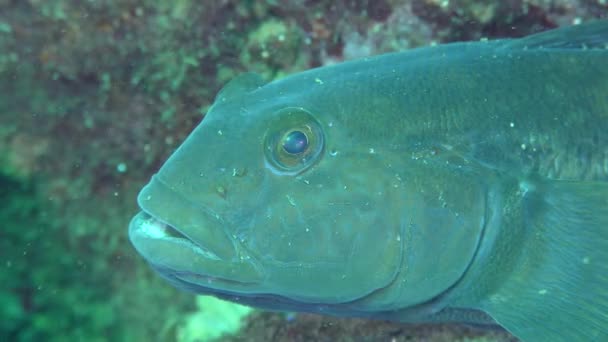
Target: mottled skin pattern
pixel 445 182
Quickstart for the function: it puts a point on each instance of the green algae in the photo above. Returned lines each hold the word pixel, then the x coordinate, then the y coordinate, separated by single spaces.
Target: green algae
pixel 213 319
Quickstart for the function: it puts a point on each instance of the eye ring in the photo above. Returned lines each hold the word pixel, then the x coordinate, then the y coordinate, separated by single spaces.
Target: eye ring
pixel 294 141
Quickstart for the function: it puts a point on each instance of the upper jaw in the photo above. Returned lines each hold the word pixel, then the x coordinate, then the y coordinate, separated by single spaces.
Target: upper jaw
pixel 190 221
pixel 176 234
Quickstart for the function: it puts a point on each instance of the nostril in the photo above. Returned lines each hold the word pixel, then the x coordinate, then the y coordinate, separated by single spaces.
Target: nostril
pixel 239 172
pixel 221 191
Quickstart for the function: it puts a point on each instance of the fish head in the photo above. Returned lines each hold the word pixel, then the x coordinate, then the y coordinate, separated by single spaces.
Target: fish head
pixel 281 201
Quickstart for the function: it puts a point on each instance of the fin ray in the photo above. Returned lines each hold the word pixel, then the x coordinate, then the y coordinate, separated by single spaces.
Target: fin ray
pixel 592 35
pixel 240 85
pixel 559 290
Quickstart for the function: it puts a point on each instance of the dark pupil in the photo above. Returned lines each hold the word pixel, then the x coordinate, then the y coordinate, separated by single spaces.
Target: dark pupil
pixel 295 142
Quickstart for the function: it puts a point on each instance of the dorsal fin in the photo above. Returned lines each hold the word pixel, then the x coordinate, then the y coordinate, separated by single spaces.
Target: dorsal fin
pixel 240 85
pixel 592 35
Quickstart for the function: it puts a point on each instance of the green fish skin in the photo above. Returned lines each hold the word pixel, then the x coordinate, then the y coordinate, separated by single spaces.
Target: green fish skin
pixel 464 182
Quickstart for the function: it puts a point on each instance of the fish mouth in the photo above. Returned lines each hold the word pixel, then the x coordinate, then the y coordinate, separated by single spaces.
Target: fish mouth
pixel 145 227
pixel 188 243
pixel 187 261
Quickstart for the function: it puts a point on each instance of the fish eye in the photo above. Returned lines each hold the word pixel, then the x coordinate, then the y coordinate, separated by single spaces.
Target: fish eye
pixel 293 142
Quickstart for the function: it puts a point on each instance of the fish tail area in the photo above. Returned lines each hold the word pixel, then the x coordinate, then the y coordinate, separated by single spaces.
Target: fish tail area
pixel 559 289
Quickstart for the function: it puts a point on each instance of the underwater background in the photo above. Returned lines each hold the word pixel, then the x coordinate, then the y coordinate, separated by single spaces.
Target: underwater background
pixel 94 96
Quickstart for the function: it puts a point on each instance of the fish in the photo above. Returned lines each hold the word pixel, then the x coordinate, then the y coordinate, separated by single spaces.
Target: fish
pixel 464 182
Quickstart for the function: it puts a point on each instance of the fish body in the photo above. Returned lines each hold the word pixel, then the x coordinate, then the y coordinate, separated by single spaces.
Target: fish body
pixel 463 182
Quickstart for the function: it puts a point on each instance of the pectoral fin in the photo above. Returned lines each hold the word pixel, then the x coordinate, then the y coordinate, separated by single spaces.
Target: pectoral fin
pixel 559 289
